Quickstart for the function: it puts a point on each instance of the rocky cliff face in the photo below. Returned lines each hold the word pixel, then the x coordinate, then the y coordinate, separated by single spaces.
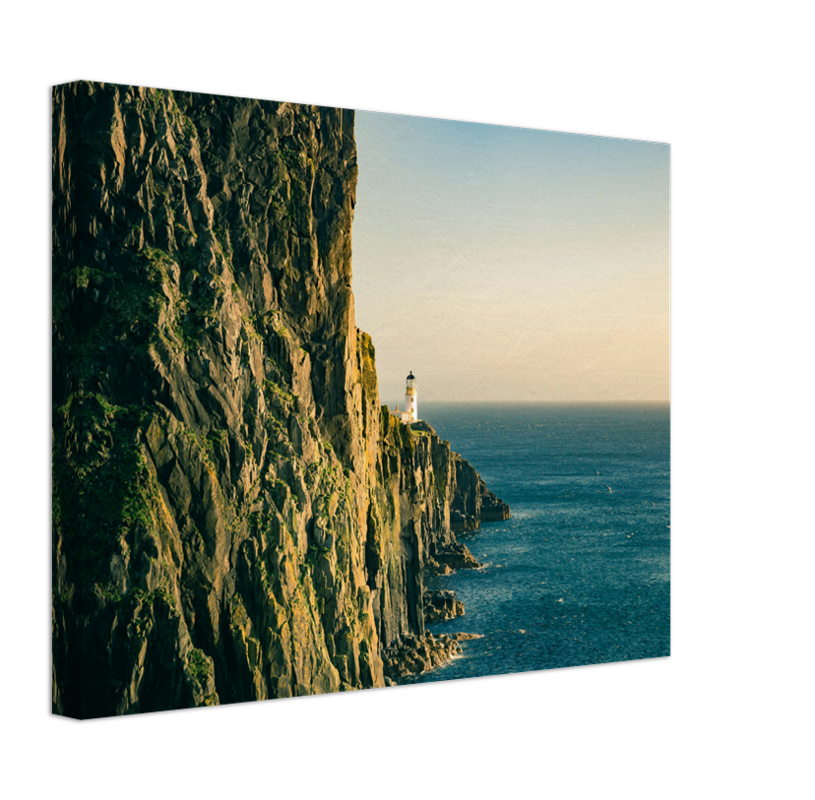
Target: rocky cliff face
pixel 235 516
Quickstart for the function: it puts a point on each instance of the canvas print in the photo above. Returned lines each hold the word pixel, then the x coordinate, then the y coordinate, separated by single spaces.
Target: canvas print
pixel 346 400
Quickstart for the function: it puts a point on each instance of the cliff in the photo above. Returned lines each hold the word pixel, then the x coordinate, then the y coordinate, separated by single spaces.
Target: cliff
pixel 235 516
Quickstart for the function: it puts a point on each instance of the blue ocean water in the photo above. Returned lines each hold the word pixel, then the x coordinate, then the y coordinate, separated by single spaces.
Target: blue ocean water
pixel 581 572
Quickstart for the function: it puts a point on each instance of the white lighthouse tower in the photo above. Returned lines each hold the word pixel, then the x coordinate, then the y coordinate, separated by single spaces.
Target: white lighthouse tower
pixel 411 404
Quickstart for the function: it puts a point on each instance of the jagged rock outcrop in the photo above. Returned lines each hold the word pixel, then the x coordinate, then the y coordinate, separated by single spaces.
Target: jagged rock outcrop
pixel 235 516
pixel 413 655
pixel 493 509
pixel 473 501
pixel 456 555
pixel 441 605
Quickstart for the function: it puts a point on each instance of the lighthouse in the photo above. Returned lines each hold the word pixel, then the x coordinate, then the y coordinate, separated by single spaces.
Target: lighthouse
pixel 411 405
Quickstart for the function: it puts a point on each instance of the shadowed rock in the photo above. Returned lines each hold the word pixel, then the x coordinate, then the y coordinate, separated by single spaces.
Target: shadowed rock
pixel 441 604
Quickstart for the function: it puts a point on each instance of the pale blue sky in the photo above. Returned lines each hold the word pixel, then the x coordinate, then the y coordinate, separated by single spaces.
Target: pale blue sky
pixel 508 264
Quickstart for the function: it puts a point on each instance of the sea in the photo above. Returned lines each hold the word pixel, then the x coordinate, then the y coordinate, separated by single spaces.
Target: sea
pixel 580 574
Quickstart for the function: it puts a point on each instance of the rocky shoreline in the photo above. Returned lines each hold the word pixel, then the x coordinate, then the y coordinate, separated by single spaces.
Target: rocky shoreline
pixel 413 655
pixel 441 605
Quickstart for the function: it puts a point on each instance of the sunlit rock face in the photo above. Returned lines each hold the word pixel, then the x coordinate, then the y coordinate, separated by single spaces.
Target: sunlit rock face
pixel 235 515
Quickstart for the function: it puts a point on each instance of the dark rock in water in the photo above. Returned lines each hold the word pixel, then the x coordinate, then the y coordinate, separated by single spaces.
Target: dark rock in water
pixel 441 604
pixel 456 556
pixel 433 569
pixel 235 516
pixel 465 637
pixel 493 509
pixel 417 654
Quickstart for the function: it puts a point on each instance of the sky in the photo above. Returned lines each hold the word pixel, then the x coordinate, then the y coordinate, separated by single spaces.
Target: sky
pixel 506 264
